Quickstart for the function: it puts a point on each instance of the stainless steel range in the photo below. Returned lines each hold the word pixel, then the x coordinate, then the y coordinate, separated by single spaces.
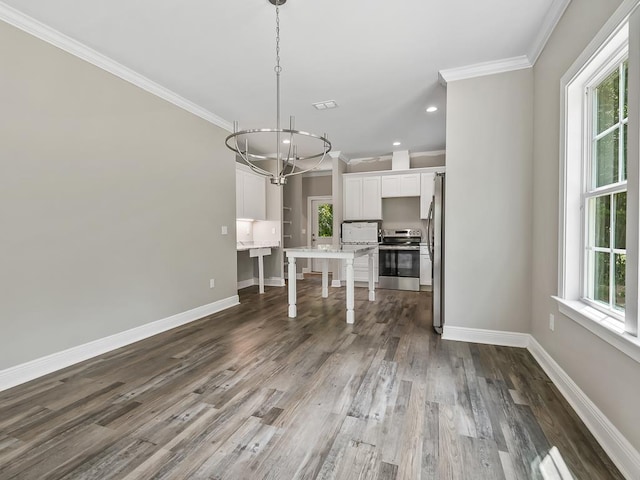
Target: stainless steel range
pixel 399 259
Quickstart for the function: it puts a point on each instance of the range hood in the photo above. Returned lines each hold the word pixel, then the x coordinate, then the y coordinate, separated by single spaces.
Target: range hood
pixel 400 160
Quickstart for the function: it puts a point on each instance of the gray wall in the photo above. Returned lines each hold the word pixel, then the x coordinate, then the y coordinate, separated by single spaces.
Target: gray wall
pixel 401 212
pixel 608 377
pixel 111 204
pixel 489 202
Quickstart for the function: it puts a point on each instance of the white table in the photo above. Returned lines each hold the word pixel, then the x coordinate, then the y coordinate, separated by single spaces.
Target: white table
pixel 325 253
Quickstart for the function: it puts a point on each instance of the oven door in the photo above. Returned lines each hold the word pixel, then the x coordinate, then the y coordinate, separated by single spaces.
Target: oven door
pixel 399 261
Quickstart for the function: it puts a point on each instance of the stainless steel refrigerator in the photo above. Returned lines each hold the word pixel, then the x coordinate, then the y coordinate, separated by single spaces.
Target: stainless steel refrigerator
pixel 435 240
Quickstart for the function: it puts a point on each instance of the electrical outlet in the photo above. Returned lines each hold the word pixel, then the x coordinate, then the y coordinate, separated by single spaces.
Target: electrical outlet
pixel 212 283
pixel 225 230
pixel 552 322
pixel 273 231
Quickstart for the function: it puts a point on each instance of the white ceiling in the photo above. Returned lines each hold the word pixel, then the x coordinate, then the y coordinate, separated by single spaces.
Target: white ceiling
pixel 378 60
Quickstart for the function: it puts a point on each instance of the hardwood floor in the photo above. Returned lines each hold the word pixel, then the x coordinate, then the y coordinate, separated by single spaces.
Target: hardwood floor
pixel 249 394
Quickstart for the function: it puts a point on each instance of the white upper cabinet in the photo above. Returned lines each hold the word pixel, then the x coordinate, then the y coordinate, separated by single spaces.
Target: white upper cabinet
pixel 362 198
pixel 251 195
pixel 403 185
pixel 426 193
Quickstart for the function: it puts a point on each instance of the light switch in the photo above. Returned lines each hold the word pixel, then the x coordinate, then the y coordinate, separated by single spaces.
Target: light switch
pixel 225 230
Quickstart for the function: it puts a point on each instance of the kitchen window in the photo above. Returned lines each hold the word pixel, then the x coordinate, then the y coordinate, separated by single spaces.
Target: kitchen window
pixel 600 178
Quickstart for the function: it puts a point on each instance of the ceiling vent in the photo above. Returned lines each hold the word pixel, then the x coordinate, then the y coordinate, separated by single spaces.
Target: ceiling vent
pixel 400 160
pixel 325 105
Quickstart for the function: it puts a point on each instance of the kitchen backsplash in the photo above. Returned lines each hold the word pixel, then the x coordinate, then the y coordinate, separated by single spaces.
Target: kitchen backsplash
pixel 402 212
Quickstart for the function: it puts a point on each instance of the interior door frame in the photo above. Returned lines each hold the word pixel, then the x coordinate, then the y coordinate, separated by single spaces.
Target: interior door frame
pixel 310 200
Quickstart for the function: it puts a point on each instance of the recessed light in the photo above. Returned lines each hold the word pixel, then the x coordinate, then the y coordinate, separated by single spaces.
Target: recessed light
pixel 286 141
pixel 395 144
pixel 432 109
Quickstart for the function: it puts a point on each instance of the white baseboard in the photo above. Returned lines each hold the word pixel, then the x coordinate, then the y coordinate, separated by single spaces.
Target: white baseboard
pixel 621 452
pixel 268 282
pixel 25 372
pixel 306 270
pixel 336 283
pixel 273 282
pixel 247 283
pixel 491 337
pixel 614 443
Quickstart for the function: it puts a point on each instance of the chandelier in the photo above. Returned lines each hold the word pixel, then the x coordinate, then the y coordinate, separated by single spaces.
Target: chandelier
pixel 291 146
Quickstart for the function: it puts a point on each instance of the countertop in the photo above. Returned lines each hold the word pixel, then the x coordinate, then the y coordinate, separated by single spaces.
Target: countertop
pixel 244 246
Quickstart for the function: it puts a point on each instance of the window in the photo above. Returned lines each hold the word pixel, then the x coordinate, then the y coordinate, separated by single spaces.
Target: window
pixel 599 252
pixel 605 197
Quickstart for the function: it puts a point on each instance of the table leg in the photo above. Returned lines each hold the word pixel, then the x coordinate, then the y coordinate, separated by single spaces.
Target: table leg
pixel 261 273
pixel 325 277
pixel 350 314
pixel 292 287
pixel 372 285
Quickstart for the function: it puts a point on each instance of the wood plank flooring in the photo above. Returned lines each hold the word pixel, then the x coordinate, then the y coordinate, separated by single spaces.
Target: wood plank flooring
pixel 250 394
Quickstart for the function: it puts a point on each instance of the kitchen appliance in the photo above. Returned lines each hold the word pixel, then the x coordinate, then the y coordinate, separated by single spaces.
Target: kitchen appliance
pixel 435 243
pixel 361 233
pixel 399 259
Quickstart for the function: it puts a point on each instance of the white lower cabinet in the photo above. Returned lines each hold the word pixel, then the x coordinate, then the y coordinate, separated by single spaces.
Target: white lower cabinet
pixel 426 277
pixel 361 269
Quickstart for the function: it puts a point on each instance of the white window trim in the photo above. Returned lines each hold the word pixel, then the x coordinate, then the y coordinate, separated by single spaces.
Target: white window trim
pixel 606 46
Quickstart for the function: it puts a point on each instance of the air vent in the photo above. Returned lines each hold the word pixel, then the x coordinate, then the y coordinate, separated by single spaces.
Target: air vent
pixel 325 105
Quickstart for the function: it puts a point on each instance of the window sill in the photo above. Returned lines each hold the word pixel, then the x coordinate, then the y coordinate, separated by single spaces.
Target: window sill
pixel 601 325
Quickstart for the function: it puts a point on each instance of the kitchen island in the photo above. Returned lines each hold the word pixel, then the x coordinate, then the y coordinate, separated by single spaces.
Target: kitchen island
pixel 325 253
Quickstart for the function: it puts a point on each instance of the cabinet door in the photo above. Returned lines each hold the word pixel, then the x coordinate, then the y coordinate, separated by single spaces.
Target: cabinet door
pixel 371 198
pixel 254 197
pixel 426 194
pixel 353 198
pixel 391 186
pixel 410 185
pixel 425 270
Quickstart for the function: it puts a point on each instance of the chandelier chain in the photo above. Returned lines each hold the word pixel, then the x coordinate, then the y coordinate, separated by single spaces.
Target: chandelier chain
pixel 278 68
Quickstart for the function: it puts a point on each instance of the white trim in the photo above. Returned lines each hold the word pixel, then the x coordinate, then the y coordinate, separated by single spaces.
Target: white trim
pixel 336 283
pixel 490 337
pixel 433 153
pixel 39 30
pixel 610 28
pixel 619 449
pixel 485 68
pixel 318 173
pixel 604 327
pixel 268 282
pixel 306 270
pixel 249 282
pixel 33 369
pixel 273 282
pixel 551 19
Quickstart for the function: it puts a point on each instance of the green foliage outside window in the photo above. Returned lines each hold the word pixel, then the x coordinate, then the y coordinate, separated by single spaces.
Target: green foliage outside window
pixel 325 220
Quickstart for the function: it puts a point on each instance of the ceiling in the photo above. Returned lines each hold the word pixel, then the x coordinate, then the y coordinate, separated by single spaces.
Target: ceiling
pixel 378 60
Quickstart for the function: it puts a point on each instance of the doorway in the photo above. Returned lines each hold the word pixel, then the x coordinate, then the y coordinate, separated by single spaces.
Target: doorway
pixel 320 225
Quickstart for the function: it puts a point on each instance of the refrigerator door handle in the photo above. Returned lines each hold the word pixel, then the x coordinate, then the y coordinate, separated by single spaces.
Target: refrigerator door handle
pixel 430 232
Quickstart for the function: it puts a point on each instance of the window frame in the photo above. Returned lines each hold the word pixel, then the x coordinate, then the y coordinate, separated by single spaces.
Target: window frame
pixel 622 29
pixel 607 66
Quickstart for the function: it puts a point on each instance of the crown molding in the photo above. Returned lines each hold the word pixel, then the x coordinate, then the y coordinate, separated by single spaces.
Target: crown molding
pixel 554 14
pixel 433 153
pixel 484 68
pixel 340 156
pixel 47 34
